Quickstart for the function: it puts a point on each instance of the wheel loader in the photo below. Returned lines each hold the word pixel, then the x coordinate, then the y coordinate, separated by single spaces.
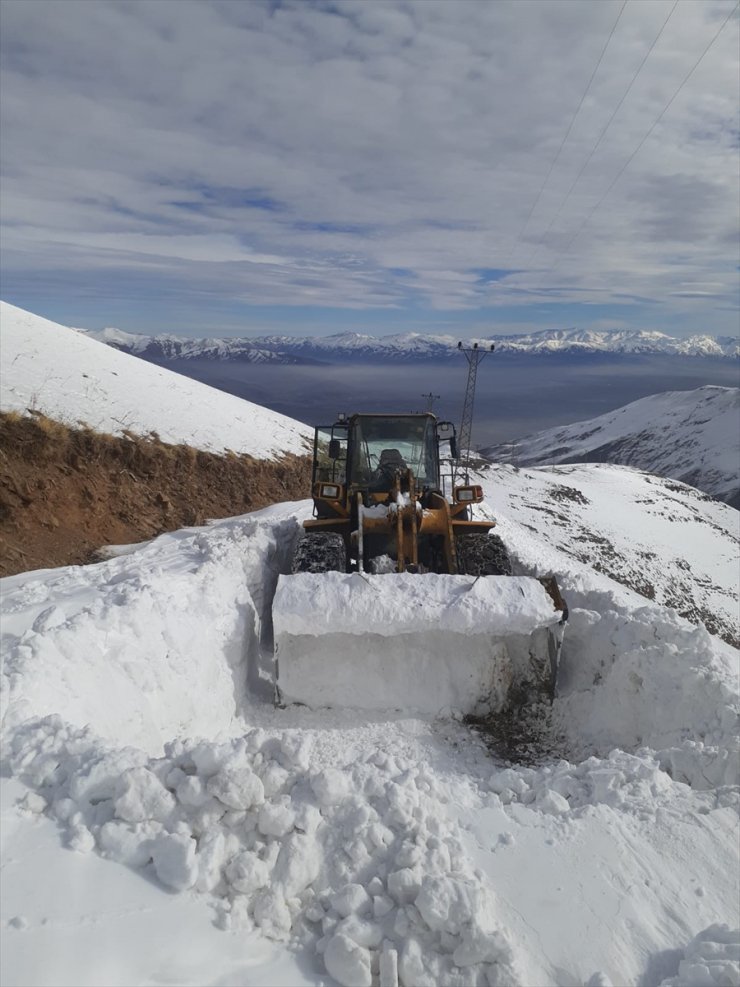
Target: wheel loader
pixel 397 597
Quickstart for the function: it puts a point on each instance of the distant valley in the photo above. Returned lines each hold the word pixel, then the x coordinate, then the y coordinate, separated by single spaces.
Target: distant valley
pixel 516 394
pixel 531 382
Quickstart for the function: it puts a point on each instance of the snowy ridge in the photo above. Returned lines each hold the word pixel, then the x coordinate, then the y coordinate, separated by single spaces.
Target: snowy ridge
pixel 691 436
pixel 413 345
pixel 50 368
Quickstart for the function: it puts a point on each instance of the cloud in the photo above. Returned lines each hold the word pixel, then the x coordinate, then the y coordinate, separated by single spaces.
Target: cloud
pixel 373 155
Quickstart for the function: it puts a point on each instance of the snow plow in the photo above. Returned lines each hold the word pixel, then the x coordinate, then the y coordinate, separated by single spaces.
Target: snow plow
pixel 397 597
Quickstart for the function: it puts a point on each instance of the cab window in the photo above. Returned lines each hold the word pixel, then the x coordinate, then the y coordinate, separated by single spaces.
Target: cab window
pixel 381 445
pixel 330 439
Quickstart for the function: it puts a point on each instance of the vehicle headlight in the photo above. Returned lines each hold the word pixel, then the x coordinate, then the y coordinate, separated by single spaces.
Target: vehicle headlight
pixel 469 494
pixel 330 491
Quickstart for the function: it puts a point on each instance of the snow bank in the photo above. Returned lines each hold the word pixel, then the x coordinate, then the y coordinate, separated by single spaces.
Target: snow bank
pixel 357 859
pixel 145 646
pixel 167 638
pixel 646 678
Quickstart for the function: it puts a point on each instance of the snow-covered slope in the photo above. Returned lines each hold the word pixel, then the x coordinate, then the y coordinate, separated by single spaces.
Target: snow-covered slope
pixel 415 346
pixel 52 369
pixel 692 436
pixel 350 836
pixel 662 540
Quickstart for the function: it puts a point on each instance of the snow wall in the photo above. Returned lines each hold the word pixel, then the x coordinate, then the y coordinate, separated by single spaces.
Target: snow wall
pixel 162 642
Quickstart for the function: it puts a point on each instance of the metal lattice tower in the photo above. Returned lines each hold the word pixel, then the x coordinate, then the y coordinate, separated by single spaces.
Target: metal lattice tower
pixel 473 355
pixel 431 398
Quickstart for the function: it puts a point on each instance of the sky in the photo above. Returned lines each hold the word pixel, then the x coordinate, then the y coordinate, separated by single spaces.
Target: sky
pixel 316 167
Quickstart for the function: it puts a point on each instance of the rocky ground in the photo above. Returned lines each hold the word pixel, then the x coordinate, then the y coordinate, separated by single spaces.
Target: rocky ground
pixel 66 492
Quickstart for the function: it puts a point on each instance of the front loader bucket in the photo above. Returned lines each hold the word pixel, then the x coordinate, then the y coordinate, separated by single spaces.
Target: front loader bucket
pixel 428 643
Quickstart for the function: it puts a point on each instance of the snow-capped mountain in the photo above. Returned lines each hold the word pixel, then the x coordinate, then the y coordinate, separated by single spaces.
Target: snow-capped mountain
pixel 56 370
pixel 414 346
pixel 691 436
pixel 166 347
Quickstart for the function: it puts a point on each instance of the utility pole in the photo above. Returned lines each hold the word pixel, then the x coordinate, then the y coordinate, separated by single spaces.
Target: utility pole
pixel 431 398
pixel 473 355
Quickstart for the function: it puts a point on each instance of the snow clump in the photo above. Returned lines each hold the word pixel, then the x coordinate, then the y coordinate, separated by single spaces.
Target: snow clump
pixel 711 959
pixel 357 860
pixel 631 783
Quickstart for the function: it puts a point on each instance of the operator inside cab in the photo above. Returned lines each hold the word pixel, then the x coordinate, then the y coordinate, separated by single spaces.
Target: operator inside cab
pixel 383 445
pixel 390 462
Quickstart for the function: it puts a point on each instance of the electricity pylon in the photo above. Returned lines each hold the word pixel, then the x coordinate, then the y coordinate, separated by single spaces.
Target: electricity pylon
pixel 473 354
pixel 431 398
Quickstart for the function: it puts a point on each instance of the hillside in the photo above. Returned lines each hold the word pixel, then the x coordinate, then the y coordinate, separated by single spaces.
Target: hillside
pixel 101 448
pixel 691 436
pixel 71 378
pixel 663 541
pixel 66 492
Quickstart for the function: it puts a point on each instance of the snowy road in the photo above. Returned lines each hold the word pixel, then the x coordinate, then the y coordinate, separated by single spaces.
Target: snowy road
pixel 160 792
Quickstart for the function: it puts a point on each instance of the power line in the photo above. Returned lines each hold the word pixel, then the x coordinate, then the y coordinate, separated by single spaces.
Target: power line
pixel 603 132
pixel 649 132
pixel 570 126
pixel 473 354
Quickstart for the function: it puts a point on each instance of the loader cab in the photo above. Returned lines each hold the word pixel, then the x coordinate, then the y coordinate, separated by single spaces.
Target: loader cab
pixel 381 445
pixel 365 452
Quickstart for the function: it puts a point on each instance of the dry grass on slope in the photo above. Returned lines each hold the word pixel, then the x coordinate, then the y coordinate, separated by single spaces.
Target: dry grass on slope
pixel 65 492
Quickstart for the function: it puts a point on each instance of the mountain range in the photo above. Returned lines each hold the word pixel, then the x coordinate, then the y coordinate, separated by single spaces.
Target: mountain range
pixel 411 345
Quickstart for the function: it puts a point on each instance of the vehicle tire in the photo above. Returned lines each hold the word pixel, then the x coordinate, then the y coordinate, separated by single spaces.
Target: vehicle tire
pixel 319 552
pixel 482 555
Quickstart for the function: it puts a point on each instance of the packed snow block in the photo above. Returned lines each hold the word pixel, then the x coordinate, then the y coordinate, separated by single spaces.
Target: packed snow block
pixel 141 645
pixel 423 642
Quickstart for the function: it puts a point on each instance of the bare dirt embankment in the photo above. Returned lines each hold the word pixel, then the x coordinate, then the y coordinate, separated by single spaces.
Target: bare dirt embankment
pixel 65 492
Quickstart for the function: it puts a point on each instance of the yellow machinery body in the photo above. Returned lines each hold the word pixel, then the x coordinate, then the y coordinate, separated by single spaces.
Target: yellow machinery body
pixel 386 601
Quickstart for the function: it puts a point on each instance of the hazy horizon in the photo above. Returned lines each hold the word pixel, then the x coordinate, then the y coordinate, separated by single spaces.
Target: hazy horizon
pixel 515 395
